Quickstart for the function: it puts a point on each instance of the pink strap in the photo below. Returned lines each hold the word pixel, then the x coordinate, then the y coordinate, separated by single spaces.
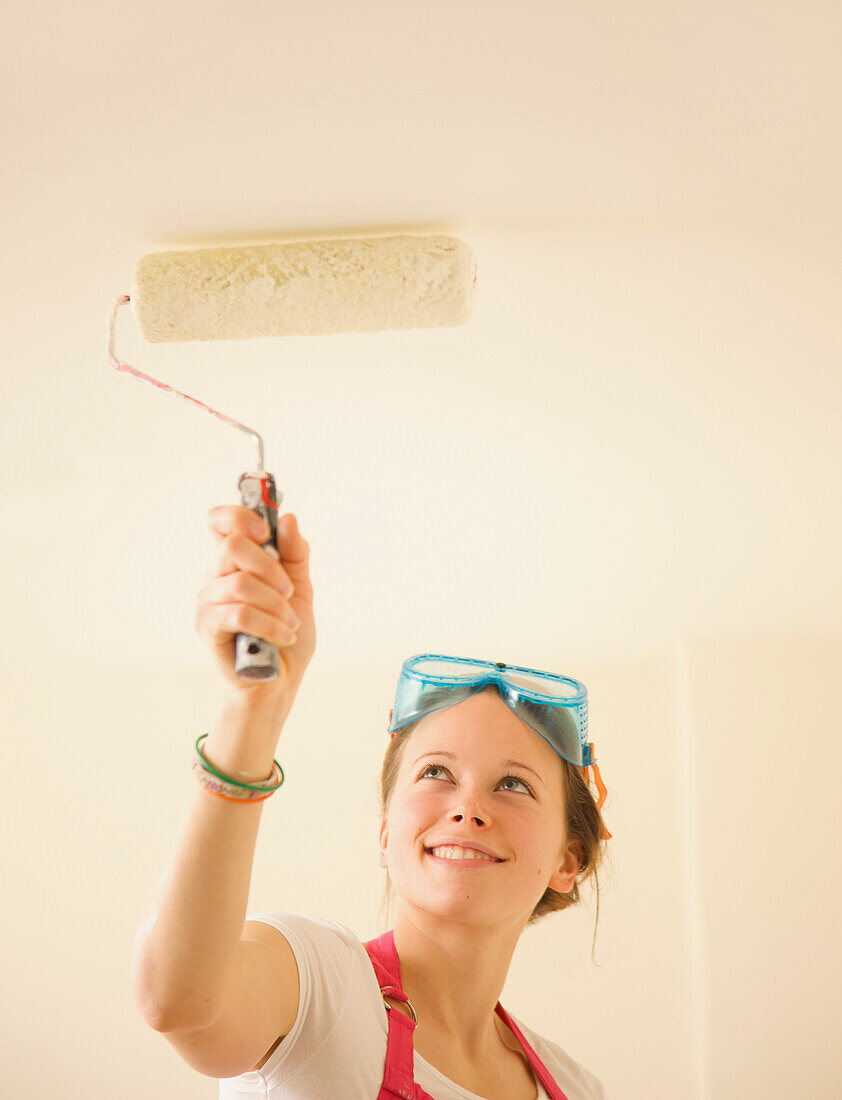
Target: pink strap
pixel 399 1077
pixel 544 1075
pixel 399 1074
pixel 387 967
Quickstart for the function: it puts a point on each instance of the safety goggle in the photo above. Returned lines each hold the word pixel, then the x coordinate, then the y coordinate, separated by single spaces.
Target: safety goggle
pixel 555 707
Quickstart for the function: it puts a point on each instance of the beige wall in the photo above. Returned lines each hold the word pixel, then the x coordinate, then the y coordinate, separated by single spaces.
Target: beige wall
pixel 767 745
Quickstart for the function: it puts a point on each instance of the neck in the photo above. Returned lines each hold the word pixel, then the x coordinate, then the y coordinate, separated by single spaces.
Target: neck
pixel 454 973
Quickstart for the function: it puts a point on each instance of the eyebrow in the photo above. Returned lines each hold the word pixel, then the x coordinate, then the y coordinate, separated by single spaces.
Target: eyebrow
pixel 506 763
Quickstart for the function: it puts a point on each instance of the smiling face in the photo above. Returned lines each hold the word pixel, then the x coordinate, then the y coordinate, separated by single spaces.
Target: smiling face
pixel 475 827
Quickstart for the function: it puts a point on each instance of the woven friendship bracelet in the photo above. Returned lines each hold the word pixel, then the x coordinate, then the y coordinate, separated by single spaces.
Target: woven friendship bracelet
pixel 232 789
pixel 226 790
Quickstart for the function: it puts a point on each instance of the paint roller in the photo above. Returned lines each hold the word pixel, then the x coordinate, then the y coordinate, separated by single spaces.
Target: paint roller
pixel 298 288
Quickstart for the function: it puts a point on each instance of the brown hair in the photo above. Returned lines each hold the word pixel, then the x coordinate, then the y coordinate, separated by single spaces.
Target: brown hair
pixel 584 825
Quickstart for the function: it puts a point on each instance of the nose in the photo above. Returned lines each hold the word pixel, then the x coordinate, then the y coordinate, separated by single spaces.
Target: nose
pixel 468 807
pixel 462 817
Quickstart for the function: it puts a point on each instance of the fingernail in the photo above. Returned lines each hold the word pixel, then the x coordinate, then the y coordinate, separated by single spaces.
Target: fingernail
pixel 293 621
pixel 258 529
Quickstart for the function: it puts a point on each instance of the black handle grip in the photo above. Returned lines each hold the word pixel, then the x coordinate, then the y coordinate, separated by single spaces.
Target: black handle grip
pixel 255 658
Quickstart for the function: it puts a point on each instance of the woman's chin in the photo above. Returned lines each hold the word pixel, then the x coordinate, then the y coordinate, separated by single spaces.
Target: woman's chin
pixel 465 908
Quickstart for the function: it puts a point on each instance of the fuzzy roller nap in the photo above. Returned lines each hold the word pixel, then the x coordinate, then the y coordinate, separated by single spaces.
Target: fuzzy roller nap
pixel 305 288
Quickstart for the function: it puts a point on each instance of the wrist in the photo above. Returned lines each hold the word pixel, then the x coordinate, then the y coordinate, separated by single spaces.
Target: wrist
pixel 228 787
pixel 262 707
pixel 243 739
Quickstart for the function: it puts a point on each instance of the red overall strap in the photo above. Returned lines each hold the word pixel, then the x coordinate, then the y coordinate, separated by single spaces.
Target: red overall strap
pixel 398 1077
pixel 399 1074
pixel 544 1075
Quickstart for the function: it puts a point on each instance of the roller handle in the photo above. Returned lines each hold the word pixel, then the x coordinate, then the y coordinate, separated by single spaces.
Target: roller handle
pixel 256 659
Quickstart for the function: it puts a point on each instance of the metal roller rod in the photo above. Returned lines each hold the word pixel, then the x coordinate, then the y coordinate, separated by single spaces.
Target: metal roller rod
pixel 118 364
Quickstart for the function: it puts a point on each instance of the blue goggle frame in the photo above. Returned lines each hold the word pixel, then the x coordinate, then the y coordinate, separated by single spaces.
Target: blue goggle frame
pixel 555 707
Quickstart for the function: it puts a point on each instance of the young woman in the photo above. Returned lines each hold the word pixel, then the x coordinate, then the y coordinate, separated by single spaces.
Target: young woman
pixel 487 824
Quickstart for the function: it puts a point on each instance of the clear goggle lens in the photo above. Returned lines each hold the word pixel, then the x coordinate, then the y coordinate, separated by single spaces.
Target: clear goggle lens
pixel 556 707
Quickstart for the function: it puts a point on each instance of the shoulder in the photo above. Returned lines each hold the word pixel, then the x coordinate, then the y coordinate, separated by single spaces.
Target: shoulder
pixel 307 932
pixel 578 1082
pixel 340 1023
pixel 332 962
pixel 325 952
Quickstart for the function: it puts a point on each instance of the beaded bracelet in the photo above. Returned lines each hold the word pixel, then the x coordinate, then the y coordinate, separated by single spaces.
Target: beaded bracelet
pixel 223 786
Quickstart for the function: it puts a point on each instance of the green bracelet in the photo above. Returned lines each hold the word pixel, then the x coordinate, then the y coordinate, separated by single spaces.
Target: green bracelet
pixel 234 782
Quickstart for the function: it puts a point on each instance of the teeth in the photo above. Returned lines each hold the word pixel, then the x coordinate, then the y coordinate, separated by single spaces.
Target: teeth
pixel 461 853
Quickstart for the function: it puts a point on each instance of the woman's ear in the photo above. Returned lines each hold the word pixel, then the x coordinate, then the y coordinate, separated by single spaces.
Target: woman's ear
pixel 564 878
pixel 384 840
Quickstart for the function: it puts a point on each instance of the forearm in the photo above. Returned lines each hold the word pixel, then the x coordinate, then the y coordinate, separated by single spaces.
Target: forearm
pixel 184 951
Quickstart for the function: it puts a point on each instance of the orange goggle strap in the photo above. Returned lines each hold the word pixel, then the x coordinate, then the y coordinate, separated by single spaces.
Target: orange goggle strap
pixel 600 786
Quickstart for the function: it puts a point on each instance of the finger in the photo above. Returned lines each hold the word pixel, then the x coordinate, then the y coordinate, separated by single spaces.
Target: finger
pixel 244 588
pixel 237 552
pixel 294 551
pixel 218 622
pixel 233 519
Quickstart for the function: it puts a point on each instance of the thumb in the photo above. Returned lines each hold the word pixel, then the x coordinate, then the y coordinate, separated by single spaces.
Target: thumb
pixel 294 551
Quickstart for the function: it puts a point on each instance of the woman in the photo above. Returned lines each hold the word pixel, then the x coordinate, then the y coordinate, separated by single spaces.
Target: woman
pixel 485 827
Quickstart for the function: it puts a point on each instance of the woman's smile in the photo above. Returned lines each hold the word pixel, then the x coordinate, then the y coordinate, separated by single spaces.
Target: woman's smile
pixel 463 857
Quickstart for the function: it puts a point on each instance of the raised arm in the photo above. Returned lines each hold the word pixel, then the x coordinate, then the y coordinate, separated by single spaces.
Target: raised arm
pixel 220 990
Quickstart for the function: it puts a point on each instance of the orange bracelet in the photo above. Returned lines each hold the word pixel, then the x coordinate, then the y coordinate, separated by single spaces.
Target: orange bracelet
pixel 231 789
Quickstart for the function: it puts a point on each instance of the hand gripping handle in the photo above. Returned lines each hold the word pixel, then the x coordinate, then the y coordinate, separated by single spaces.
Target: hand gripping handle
pixel 255 658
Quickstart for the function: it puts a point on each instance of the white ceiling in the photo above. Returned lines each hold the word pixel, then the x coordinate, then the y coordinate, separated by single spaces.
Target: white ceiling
pixel 636 435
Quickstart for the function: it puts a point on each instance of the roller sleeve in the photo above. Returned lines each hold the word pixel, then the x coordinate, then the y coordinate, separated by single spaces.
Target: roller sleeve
pixel 304 288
